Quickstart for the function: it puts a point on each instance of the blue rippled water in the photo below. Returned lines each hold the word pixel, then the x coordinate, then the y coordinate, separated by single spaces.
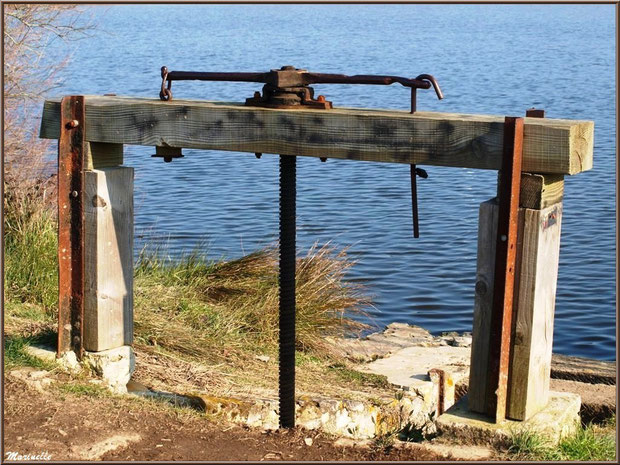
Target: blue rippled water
pixel 495 59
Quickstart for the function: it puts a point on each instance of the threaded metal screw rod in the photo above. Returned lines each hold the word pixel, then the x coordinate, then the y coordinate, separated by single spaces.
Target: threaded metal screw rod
pixel 287 290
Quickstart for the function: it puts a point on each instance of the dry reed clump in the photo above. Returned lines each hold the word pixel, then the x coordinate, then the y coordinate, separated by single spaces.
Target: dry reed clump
pixel 229 309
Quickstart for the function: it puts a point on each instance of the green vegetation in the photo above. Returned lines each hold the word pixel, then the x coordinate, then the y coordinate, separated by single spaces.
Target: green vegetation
pixel 15 353
pixel 357 377
pixel 589 443
pixel 83 389
pixel 30 249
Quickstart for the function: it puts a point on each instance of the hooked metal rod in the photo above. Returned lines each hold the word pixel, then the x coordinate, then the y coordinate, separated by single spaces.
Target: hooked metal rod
pixel 307 78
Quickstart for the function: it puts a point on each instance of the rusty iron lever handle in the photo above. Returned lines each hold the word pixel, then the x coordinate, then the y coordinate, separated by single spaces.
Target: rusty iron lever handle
pixel 289 76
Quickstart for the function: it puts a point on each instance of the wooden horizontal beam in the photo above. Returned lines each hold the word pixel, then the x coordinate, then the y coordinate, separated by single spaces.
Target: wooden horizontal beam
pixel 441 139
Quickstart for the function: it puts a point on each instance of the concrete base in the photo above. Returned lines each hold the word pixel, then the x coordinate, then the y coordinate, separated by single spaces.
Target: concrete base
pixel 115 366
pixel 560 418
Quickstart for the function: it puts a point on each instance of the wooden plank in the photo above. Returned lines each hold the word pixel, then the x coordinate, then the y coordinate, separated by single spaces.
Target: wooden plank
pixel 479 398
pixel 538 191
pixel 100 155
pixel 483 306
pixel 108 211
pixel 530 367
pixel 425 138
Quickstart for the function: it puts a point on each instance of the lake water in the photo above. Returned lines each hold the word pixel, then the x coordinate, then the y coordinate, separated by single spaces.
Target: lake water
pixel 489 59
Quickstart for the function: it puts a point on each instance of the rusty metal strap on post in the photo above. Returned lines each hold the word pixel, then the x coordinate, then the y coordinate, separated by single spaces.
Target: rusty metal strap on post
pixel 71 226
pixel 505 258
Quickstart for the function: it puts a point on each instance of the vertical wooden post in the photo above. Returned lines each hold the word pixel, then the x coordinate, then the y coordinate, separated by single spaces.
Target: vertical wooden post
pixel 530 365
pixel 108 216
pixel 535 284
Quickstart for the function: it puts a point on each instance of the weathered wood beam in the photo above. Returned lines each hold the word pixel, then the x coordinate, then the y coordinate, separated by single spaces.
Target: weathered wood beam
pixel 441 139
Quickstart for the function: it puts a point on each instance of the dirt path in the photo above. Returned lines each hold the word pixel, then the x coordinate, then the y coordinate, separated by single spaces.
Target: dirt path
pixel 85 427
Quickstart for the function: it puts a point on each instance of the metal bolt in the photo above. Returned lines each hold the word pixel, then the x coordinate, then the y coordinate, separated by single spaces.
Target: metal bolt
pixel 503 238
pixel 74 194
pixel 73 124
pixel 76 339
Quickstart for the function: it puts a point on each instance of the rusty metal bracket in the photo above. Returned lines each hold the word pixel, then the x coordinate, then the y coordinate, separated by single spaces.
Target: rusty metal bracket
pixel 505 258
pixel 534 113
pixel 71 148
pixel 438 376
pixel 168 153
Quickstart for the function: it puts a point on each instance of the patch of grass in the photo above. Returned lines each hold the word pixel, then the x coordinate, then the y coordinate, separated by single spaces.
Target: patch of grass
pixel 589 443
pixel 305 359
pixel 198 307
pixel 15 354
pixel 353 376
pixel 527 445
pixel 384 443
pixel 30 248
pixel 84 389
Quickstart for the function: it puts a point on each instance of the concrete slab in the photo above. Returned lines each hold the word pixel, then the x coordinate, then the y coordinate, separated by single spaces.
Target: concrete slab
pixel 409 367
pixel 558 419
